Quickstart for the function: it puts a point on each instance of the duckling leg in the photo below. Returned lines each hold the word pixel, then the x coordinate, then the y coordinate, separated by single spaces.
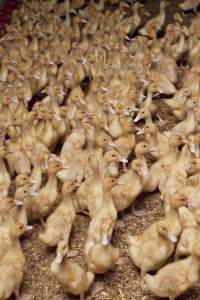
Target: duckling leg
pixel 82 296
pixel 142 280
pixel 42 222
pixel 17 297
pixel 124 167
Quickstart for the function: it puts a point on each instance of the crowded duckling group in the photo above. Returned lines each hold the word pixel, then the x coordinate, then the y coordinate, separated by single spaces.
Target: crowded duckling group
pixel 80 133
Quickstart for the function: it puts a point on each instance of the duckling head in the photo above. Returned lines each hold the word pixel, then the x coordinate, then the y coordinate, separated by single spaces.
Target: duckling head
pixel 18 229
pixel 22 193
pixel 178 200
pixel 142 114
pixel 112 156
pixel 7 203
pixel 176 140
pixel 22 180
pixel 68 187
pixel 54 166
pixel 48 115
pixel 193 166
pixel 192 103
pixel 165 231
pixel 64 111
pixel 3 86
pixel 150 128
pixel 142 149
pixel 3 151
pixel 6 100
pixel 138 166
pixel 61 251
pixel 102 140
pixel 110 182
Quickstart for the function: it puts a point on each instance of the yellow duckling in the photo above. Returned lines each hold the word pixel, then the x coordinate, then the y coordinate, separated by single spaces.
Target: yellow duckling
pixel 71 276
pixel 124 193
pixel 154 25
pixel 102 258
pixel 160 236
pixel 59 223
pixel 12 265
pixel 4 175
pixel 40 204
pixel 176 277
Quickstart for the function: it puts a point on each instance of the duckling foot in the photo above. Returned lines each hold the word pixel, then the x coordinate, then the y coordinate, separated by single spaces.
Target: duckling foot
pixel 17 297
pixel 142 283
pixel 42 222
pixel 138 212
pixel 82 296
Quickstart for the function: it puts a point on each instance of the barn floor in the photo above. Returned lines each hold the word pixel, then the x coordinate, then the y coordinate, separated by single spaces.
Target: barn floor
pixel 123 281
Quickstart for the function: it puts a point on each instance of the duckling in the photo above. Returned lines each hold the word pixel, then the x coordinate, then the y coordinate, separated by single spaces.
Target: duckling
pixel 177 177
pixel 103 221
pixel 158 171
pixel 40 204
pixel 145 114
pixel 101 258
pixel 154 25
pixel 73 145
pixel 22 180
pixel 48 135
pixel 162 83
pixel 17 157
pixel 158 142
pixel 6 204
pixel 59 223
pixel 4 175
pixel 189 235
pixel 177 102
pixel 150 250
pixel 124 193
pixel 12 265
pixel 72 278
pixel 176 277
pixel 147 103
pixel 189 5
pixel 189 125
pixel 90 193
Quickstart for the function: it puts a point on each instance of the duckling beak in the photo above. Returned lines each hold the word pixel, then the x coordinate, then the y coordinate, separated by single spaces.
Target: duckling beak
pixel 123 160
pixel 126 5
pixel 57 117
pixel 138 118
pixel 144 172
pixel 152 149
pixel 32 182
pixel 29 228
pixel 105 240
pixel 59 258
pixel 110 143
pixel 172 237
pixel 64 167
pixel 34 194
pixel 191 204
pixel 194 149
pixel 18 203
pixel 14 62
pixel 62 93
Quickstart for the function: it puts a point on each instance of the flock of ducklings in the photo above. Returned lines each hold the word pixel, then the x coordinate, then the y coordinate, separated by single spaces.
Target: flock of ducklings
pixel 74 81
